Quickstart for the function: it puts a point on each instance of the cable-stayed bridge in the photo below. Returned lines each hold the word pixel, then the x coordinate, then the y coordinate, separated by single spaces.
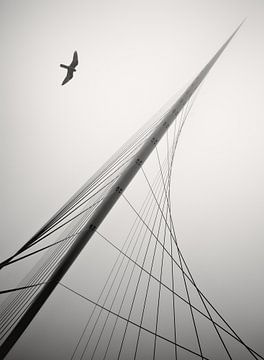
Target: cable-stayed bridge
pixel 136 294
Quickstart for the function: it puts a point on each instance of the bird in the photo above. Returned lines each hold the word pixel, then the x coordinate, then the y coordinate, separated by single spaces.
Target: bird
pixel 70 68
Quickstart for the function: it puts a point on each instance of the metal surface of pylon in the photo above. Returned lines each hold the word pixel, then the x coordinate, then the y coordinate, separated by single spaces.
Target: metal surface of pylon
pixel 103 209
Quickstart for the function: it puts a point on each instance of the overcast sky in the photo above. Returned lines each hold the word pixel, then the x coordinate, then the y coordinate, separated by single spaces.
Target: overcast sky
pixel 133 56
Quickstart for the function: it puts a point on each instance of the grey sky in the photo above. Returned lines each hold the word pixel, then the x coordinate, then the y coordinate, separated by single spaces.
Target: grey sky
pixel 134 55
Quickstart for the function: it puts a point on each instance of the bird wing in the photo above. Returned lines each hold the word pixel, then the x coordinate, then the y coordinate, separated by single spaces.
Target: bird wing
pixel 74 62
pixel 68 77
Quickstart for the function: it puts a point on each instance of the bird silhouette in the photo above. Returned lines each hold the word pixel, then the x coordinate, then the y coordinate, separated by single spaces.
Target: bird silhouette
pixel 70 68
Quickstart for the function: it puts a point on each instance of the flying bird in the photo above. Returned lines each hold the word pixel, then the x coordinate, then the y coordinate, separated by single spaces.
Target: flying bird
pixel 70 68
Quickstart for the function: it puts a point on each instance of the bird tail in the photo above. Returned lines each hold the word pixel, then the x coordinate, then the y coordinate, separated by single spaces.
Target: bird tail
pixel 64 66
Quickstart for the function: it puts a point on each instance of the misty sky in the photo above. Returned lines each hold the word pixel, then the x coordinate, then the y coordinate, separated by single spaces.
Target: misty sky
pixel 133 57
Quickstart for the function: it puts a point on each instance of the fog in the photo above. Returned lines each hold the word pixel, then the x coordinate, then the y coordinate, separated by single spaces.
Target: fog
pixel 133 57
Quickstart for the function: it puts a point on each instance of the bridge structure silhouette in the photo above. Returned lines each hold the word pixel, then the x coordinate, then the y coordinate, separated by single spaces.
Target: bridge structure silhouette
pixel 142 300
